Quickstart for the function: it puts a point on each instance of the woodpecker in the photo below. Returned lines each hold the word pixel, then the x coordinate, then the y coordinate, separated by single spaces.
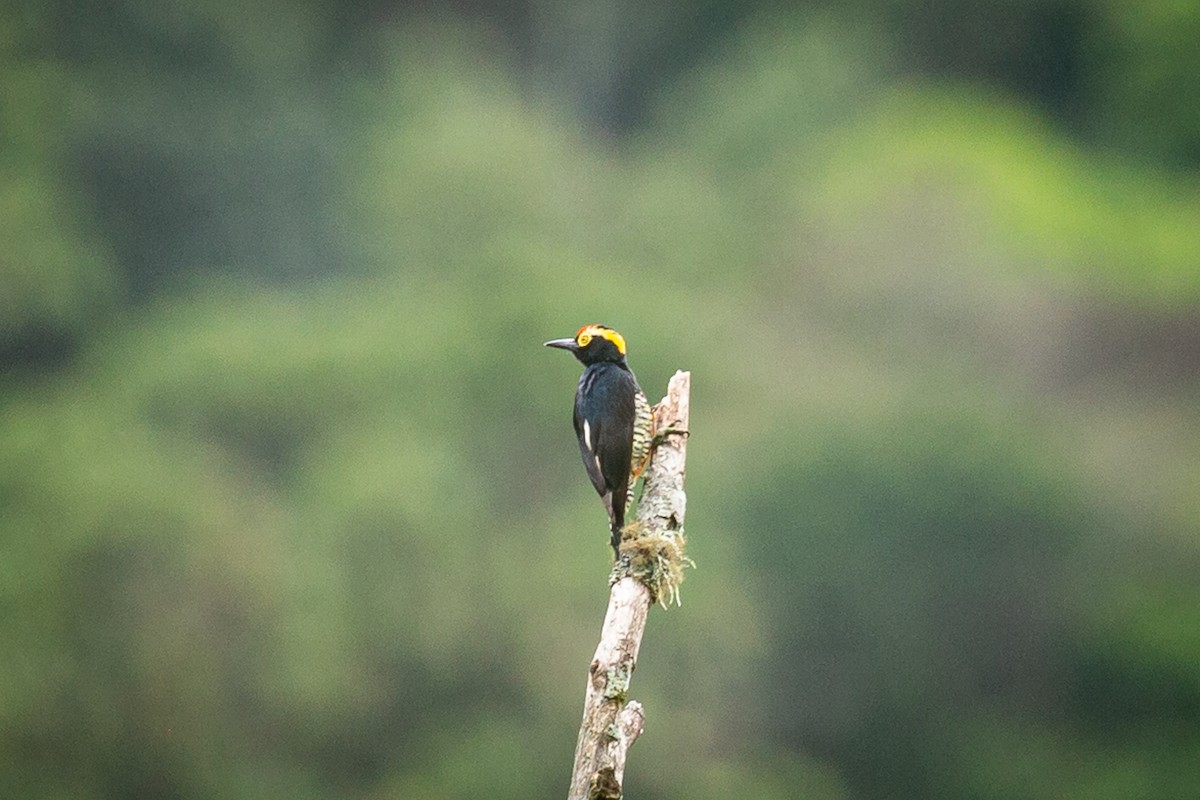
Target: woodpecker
pixel 613 420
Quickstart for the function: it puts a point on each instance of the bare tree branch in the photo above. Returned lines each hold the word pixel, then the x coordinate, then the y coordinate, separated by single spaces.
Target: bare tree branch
pixel 650 569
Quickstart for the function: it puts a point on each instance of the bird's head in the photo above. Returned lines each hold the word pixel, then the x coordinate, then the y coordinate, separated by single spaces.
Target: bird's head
pixel 593 344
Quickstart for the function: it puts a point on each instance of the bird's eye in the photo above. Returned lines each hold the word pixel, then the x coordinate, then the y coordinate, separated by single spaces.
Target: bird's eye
pixel 584 338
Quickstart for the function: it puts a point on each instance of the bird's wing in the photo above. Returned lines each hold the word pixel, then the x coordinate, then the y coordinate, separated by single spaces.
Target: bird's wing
pixel 616 442
pixel 587 430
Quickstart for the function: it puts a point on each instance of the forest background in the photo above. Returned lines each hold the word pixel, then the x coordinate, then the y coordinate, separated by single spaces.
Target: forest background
pixel 290 505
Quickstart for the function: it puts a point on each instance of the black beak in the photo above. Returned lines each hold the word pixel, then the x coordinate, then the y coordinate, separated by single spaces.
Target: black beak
pixel 563 344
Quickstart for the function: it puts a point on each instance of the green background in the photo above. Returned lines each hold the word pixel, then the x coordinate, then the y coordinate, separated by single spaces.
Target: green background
pixel 290 505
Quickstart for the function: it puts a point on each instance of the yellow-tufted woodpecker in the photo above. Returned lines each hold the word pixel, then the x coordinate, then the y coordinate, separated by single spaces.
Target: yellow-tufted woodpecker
pixel 613 420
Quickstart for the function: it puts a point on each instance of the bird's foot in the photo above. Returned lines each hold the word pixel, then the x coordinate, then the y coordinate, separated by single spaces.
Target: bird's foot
pixel 661 435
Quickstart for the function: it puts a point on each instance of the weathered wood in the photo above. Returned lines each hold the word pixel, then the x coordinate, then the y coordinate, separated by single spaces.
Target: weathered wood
pixel 607 690
pixel 663 502
pixel 611 723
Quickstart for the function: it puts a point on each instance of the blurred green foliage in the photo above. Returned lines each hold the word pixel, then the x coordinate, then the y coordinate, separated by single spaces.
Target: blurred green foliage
pixel 290 503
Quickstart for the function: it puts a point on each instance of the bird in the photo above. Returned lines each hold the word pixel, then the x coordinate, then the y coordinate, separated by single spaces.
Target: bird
pixel 613 420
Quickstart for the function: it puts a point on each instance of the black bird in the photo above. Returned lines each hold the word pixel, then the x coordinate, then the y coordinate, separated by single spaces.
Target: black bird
pixel 613 420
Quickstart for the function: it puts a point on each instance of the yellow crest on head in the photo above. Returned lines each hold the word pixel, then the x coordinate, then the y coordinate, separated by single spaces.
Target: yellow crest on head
pixel 585 334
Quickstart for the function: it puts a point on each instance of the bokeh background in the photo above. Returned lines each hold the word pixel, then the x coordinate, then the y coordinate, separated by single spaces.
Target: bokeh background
pixel 290 505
